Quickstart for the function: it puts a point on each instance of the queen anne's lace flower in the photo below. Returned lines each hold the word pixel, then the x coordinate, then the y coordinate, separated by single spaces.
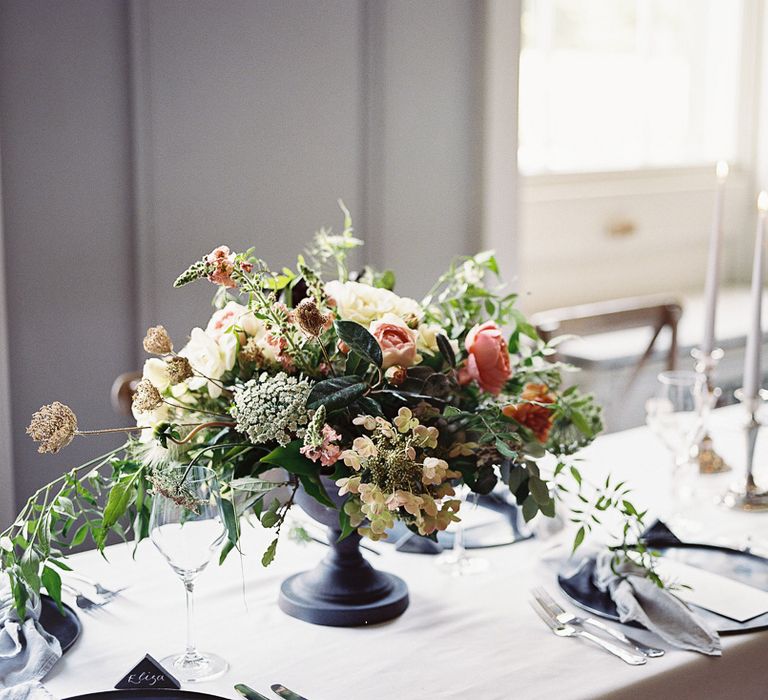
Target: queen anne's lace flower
pixel 272 409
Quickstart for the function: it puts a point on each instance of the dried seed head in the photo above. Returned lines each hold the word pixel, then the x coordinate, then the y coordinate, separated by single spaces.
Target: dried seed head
pixel 53 426
pixel 157 341
pixel 146 396
pixel 310 319
pixel 166 485
pixel 179 369
pixel 251 353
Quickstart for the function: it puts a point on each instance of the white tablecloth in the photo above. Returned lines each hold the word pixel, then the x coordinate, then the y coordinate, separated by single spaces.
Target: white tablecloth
pixel 461 638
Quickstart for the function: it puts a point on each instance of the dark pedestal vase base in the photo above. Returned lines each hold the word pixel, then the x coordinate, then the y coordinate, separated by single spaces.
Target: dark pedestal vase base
pixel 343 590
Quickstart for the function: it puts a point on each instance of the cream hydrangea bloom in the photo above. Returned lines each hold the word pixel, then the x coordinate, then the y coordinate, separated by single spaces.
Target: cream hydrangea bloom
pixel 365 304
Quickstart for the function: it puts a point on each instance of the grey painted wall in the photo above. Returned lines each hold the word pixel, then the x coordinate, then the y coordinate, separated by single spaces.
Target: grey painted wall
pixel 67 217
pixel 137 135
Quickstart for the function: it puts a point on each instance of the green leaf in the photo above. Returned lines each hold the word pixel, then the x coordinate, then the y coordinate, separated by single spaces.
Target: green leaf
pixel 548 508
pixel 60 564
pixel 530 508
pixel 20 596
pixel 314 487
pixel 360 340
pixel 539 490
pixel 80 535
pixel 385 280
pixel 64 506
pixel 369 406
pixel 505 450
pixel 576 474
pixel 629 508
pixel 269 519
pixel 230 520
pixel 119 499
pixel 517 475
pixel 30 569
pixel 336 392
pixel 289 458
pixel 356 363
pixel 269 554
pixel 254 484
pixel 225 550
pixel 52 582
pixel 534 449
pixel 522 324
pixel 578 419
pixel 580 533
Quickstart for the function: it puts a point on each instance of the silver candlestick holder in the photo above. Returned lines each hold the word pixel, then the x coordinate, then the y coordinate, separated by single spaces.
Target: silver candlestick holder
pixel 747 495
pixel 710 462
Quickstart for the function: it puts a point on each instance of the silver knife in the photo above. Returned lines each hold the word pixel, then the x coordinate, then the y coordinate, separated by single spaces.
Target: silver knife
pixel 249 693
pixel 286 694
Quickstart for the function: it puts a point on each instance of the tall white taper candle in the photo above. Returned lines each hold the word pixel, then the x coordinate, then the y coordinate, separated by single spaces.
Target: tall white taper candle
pixel 712 283
pixel 752 370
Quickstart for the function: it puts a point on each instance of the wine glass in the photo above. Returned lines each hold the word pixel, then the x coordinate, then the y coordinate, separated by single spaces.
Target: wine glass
pixel 456 561
pixel 677 415
pixel 186 527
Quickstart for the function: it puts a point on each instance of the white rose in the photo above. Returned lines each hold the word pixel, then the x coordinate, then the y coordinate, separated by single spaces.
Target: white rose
pixel 210 358
pixel 364 304
pixel 156 371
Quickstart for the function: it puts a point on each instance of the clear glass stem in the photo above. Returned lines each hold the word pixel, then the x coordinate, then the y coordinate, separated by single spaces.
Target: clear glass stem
pixel 191 654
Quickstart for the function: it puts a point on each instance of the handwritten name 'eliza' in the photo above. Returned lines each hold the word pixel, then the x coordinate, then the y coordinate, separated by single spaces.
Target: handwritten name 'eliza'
pixel 145 679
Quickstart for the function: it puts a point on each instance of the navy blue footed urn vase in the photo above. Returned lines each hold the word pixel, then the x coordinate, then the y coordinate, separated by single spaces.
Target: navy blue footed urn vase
pixel 343 590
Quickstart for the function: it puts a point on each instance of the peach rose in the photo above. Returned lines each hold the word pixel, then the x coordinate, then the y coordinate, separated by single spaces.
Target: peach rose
pixel 397 341
pixel 488 361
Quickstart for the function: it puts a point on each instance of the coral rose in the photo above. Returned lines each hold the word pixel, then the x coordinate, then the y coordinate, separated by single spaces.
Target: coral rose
pixel 397 341
pixel 488 361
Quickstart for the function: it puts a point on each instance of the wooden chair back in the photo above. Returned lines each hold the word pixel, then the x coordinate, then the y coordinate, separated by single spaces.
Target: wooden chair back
pixel 121 395
pixel 656 313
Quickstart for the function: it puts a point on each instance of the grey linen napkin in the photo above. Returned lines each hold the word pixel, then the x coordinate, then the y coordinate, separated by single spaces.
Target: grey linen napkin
pixel 31 690
pixel 27 651
pixel 639 599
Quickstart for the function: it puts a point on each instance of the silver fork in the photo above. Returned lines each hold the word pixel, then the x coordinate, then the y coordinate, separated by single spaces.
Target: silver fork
pixel 567 618
pixel 562 630
pixel 100 589
pixel 83 601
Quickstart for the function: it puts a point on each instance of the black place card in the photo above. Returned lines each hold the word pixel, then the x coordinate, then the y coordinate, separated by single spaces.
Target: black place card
pixel 148 673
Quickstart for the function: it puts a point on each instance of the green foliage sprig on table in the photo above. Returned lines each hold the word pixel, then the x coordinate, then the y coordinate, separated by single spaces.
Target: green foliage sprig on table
pixel 295 378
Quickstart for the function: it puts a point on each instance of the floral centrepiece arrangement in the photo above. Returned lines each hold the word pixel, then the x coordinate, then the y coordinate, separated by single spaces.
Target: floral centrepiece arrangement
pixel 317 372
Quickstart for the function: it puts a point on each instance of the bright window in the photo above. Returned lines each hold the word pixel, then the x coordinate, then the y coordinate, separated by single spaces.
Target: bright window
pixel 628 84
